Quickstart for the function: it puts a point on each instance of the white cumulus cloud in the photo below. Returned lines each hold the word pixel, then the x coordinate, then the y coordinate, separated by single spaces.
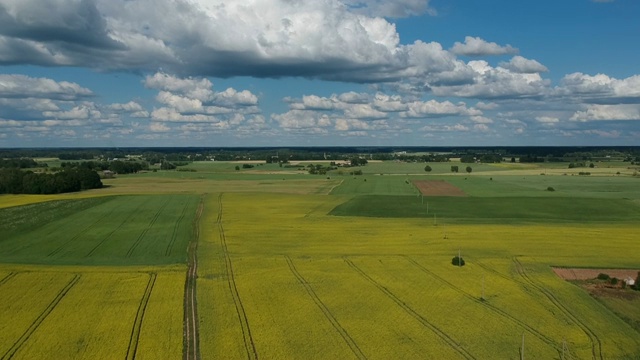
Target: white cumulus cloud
pixel 475 46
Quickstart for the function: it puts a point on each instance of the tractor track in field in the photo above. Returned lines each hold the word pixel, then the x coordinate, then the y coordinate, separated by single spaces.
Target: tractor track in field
pixel 7 278
pixel 93 250
pixel 36 323
pixel 191 330
pixel 596 344
pixel 144 232
pixel 132 349
pixel 174 234
pixel 80 233
pixel 538 334
pixel 426 323
pixel 249 344
pixel 327 313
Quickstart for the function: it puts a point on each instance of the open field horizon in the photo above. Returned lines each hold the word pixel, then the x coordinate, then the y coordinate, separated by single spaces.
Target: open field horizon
pixel 331 266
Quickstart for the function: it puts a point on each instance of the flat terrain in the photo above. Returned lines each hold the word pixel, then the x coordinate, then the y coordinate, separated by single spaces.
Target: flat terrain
pixel 321 267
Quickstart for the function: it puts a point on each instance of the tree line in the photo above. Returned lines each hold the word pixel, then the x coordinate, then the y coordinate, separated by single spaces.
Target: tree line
pixel 16 181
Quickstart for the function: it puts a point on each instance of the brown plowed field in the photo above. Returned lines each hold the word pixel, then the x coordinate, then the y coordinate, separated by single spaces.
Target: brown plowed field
pixel 587 274
pixel 438 188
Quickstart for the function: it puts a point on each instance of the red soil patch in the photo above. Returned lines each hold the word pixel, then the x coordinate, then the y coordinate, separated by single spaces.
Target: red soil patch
pixel 438 188
pixel 588 274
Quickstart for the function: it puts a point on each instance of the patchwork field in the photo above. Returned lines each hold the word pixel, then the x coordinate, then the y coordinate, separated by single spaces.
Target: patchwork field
pixel 318 267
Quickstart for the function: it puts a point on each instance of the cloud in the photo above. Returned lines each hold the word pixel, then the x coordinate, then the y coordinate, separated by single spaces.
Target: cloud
pixel 60 24
pixel 496 83
pixel 518 64
pixel 608 112
pixel 325 39
pixel 393 9
pixel 433 108
pixel 159 127
pixel 131 106
pixel 303 121
pixel 547 120
pixel 475 46
pixel 193 100
pixel 21 86
pixel 600 88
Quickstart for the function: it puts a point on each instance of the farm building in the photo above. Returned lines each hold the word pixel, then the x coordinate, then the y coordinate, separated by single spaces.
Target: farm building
pixel 629 281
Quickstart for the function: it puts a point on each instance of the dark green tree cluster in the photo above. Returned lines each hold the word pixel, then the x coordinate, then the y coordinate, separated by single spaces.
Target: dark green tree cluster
pixel 457 261
pixel 357 161
pixel 16 181
pixel 117 166
pixel 22 163
pixel 75 155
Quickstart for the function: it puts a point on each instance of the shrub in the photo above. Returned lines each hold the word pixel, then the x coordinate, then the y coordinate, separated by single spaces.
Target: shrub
pixel 427 168
pixel 457 261
pixel 550 188
pixel 603 276
pixel 614 281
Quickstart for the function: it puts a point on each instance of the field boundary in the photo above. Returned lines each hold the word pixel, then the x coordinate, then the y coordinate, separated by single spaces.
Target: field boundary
pixel 596 344
pixel 567 273
pixel 191 335
pixel 249 345
pixel 36 323
pixel 426 323
pixel 132 349
pixel 327 313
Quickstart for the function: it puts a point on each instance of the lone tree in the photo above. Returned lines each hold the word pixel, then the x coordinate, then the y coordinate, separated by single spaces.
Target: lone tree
pixel 469 169
pixel 427 168
pixel 454 168
pixel 457 261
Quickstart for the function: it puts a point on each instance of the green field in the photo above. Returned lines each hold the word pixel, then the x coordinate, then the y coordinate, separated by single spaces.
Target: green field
pixel 301 266
pixel 121 230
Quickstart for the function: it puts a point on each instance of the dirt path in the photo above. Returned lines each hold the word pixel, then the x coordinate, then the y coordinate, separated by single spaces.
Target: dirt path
pixel 191 336
pixel 587 274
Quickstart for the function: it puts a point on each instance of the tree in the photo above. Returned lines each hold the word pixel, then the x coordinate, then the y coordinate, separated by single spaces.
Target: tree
pixel 513 159
pixel 237 167
pixel 454 168
pixel 457 261
pixel 427 168
pixel 469 169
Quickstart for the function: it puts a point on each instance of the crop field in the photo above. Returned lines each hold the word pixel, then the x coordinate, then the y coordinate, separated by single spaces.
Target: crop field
pixel 262 263
pixel 89 313
pixel 141 229
pixel 305 285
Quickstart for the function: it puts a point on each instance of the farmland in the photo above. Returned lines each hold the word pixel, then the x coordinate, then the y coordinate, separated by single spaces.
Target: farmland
pixel 337 266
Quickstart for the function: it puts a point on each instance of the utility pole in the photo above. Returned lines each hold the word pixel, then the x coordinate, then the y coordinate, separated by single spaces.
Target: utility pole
pixel 459 259
pixel 482 286
pixel 522 350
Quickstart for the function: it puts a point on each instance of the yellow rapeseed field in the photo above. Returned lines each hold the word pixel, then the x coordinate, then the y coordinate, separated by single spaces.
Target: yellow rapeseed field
pixel 279 278
pixel 83 312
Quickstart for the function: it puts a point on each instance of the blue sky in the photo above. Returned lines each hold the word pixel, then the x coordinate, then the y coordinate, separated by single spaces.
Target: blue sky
pixel 323 72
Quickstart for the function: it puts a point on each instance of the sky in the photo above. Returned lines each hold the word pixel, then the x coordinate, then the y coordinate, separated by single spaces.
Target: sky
pixel 211 73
